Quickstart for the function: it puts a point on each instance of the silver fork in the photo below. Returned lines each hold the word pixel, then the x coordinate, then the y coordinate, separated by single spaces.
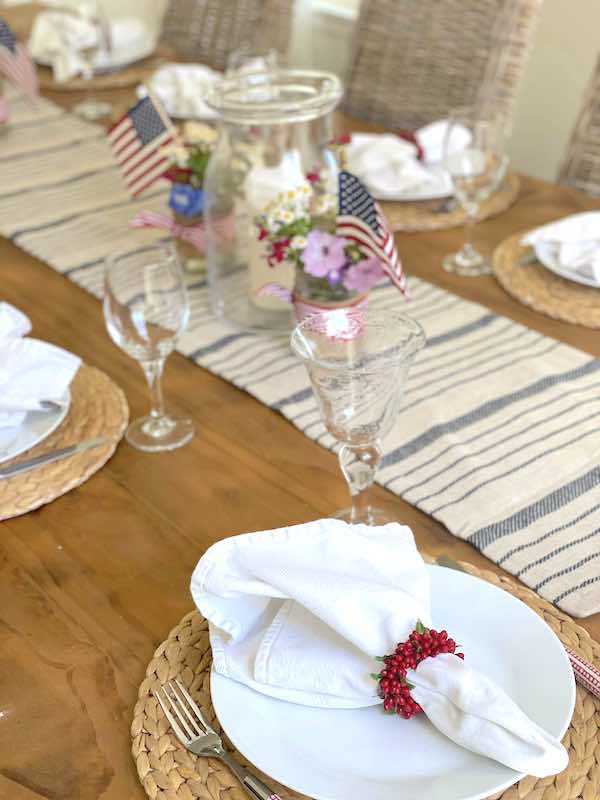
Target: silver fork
pixel 196 735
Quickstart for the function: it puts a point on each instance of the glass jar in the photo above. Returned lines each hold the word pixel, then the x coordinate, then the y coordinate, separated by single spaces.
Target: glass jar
pixel 275 135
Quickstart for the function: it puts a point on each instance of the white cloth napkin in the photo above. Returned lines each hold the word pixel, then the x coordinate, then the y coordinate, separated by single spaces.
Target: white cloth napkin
pixel 292 611
pixel 31 371
pixel 300 613
pixel 59 39
pixel 573 241
pixel 474 712
pixel 182 87
pixel 389 167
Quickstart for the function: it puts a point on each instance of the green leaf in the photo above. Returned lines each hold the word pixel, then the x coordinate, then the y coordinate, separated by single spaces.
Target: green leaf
pixel 420 628
pixel 375 676
pixel 390 711
pixel 379 658
pixel 410 685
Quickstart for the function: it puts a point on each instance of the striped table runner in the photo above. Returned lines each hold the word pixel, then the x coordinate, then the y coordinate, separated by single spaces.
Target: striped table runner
pixel 500 431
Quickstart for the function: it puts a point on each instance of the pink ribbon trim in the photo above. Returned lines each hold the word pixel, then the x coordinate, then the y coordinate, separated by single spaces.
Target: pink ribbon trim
pixel 194 234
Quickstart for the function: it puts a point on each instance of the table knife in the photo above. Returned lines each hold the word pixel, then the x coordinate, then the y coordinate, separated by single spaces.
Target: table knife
pixel 586 674
pixel 53 455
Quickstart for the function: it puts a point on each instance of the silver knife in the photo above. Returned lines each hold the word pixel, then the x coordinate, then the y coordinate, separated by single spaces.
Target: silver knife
pixel 586 674
pixel 48 458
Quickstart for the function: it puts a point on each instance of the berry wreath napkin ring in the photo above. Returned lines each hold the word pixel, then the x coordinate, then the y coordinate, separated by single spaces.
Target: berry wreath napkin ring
pixel 307 613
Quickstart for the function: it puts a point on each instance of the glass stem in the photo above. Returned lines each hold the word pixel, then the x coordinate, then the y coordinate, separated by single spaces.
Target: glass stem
pixel 359 464
pixel 468 247
pixel 153 371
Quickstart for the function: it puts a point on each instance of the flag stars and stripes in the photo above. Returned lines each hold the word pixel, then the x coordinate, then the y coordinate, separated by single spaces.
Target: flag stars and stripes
pixel 15 64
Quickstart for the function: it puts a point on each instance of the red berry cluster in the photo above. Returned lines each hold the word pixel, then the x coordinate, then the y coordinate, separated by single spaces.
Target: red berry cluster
pixel 393 687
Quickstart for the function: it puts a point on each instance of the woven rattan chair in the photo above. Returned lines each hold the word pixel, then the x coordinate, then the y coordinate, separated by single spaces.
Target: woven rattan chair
pixel 414 60
pixel 207 31
pixel 581 167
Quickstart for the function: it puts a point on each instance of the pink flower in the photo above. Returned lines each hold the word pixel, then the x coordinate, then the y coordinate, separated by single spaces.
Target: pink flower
pixel 362 276
pixel 323 253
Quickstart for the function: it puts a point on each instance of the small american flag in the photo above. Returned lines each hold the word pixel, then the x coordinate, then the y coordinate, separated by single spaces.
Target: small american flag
pixel 137 139
pixel 360 220
pixel 15 63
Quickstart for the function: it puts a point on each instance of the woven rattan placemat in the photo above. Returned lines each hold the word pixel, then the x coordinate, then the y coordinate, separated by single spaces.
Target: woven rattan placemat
pixel 535 286
pixel 431 216
pixel 169 772
pixel 98 408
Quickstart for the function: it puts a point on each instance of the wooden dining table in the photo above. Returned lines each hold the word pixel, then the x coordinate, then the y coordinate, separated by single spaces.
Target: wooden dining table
pixel 91 583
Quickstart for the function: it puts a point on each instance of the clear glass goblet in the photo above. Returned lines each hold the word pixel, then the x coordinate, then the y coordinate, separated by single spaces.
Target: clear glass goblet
pixel 358 362
pixel 146 309
pixel 474 156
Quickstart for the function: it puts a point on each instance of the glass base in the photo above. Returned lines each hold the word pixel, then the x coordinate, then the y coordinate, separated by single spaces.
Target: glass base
pixel 467 262
pixel 154 434
pixel 372 516
pixel 92 109
pixel 230 298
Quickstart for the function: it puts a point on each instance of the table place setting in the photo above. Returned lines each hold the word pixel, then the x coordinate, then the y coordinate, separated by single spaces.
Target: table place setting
pixel 360 676
pixel 60 420
pixel 555 268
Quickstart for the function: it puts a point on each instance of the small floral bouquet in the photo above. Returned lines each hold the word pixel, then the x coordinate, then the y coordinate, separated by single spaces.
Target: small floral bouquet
pixel 299 226
pixel 189 157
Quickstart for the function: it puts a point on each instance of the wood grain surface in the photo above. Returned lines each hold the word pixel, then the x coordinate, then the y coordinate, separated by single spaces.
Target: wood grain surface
pixel 93 582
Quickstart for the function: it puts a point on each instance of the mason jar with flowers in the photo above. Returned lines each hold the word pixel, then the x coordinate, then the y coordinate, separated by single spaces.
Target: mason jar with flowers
pixel 299 227
pixel 189 157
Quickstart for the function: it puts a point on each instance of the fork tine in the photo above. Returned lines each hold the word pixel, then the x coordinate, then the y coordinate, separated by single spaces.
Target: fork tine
pixel 183 738
pixel 194 706
pixel 182 696
pixel 183 712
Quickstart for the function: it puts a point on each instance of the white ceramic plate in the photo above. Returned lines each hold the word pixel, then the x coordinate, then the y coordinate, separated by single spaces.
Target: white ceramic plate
pixel 547 253
pixel 364 754
pixel 117 59
pixel 428 191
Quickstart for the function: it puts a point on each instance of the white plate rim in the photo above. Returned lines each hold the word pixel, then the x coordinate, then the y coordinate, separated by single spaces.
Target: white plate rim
pixel 273 773
pixel 563 272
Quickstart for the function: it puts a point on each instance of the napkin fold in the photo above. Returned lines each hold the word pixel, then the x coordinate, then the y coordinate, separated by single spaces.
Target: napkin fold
pixel 300 613
pixel 31 372
pixel 388 164
pixel 573 241
pixel 181 88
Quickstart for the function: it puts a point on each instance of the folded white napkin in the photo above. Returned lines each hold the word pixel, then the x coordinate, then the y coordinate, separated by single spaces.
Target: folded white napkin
pixel 182 87
pixel 573 241
pixel 60 39
pixel 300 613
pixel 31 372
pixel 388 164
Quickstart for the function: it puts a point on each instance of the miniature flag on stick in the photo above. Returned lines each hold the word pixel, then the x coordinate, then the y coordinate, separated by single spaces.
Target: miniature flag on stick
pixel 136 140
pixel 15 64
pixel 360 220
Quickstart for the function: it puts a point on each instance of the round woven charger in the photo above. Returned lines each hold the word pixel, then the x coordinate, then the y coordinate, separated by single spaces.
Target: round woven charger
pixel 98 408
pixel 431 216
pixel 535 286
pixel 136 73
pixel 169 772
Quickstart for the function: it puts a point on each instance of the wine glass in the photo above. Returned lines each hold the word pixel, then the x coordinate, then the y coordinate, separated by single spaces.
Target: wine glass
pixel 92 108
pixel 146 309
pixel 358 362
pixel 474 156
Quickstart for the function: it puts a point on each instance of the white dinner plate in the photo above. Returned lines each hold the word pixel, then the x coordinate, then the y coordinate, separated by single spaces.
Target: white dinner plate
pixel 364 754
pixel 548 255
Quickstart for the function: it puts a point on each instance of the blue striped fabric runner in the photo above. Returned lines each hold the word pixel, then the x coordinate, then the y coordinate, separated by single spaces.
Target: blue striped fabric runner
pixel 499 435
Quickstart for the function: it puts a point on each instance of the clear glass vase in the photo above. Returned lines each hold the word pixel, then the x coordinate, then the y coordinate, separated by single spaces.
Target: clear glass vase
pixel 275 136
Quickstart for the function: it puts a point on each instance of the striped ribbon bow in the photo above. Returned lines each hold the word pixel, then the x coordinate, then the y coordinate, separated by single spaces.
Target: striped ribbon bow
pixel 194 234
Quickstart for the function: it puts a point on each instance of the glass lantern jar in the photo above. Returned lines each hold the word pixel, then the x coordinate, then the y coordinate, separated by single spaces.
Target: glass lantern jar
pixel 275 136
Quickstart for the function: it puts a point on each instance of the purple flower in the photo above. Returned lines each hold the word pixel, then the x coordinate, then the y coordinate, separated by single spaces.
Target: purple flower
pixel 362 276
pixel 323 253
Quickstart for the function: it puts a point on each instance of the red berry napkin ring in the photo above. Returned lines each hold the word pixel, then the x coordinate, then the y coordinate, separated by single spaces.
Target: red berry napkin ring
pixel 394 688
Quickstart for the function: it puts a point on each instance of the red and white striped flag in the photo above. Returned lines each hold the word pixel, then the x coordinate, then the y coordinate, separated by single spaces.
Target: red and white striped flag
pixel 15 64
pixel 137 139
pixel 360 220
